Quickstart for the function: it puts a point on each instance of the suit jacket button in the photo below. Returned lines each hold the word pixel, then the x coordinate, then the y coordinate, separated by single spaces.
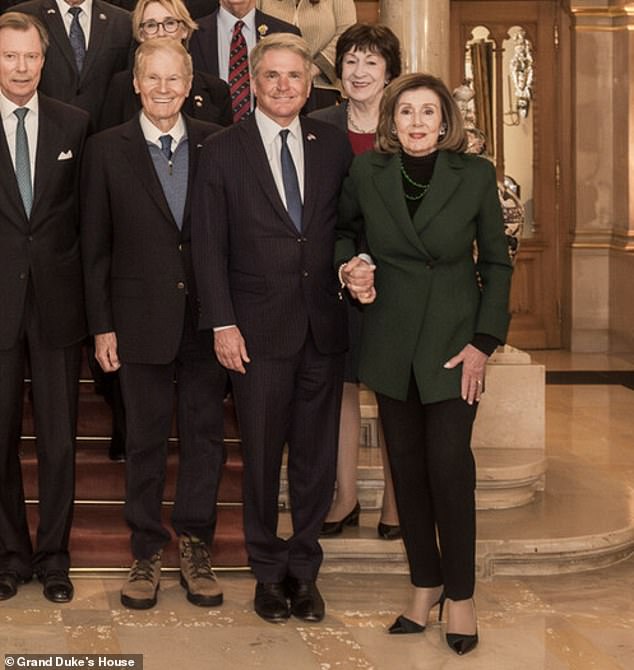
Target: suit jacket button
pixel 305 273
pixel 180 247
pixel 180 284
pixel 22 275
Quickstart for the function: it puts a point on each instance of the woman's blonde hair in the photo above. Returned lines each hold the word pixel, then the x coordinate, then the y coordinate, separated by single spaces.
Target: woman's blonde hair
pixel 453 139
pixel 176 9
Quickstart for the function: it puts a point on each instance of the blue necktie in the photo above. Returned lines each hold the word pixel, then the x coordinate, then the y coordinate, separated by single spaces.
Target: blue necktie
pixel 22 161
pixel 166 146
pixel 291 184
pixel 77 38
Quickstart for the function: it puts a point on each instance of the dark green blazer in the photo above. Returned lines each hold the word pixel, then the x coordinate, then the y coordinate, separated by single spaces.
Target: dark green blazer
pixel 429 304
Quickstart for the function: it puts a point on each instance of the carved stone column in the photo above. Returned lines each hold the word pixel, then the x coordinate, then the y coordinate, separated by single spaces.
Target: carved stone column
pixel 423 28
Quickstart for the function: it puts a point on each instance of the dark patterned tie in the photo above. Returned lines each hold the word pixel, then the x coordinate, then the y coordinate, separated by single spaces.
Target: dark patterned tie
pixel 22 161
pixel 166 146
pixel 291 183
pixel 239 74
pixel 77 38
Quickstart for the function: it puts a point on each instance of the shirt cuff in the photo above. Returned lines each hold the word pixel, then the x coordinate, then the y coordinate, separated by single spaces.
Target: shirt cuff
pixel 219 328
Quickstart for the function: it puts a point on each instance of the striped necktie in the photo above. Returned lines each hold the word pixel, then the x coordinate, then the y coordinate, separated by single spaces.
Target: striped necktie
pixel 239 83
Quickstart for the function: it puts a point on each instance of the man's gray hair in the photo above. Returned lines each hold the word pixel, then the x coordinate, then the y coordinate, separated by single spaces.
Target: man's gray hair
pixel 286 41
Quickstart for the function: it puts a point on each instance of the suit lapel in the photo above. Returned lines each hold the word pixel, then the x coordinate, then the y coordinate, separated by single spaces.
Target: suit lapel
pixel 9 184
pixel 99 22
pixel 49 133
pixel 211 53
pixel 261 27
pixel 195 140
pixel 57 31
pixel 389 184
pixel 312 164
pixel 445 180
pixel 137 153
pixel 253 147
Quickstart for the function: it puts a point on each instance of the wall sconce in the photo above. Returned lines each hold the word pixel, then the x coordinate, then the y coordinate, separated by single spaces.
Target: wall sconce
pixel 522 72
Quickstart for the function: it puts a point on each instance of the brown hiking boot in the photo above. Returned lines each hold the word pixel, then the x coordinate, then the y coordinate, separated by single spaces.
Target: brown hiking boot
pixel 139 591
pixel 197 576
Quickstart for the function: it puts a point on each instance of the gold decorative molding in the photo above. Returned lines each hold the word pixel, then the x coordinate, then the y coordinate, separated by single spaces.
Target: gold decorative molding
pixel 613 240
pixel 603 19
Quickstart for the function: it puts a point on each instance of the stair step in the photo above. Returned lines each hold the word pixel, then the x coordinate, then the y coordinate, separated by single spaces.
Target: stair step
pixel 95 417
pixel 100 538
pixel 100 479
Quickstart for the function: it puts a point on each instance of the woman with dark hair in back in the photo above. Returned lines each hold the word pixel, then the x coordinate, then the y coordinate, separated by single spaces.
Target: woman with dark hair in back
pixel 367 58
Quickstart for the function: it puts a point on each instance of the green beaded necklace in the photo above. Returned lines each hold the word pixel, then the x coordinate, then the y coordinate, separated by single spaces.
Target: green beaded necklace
pixel 423 187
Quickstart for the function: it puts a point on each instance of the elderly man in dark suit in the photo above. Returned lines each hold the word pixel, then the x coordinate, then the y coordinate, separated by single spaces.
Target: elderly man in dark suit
pixel 41 142
pixel 90 40
pixel 222 43
pixel 263 233
pixel 142 309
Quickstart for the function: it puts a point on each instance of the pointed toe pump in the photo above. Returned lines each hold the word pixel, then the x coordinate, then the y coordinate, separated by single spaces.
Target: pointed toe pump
pixel 462 644
pixel 404 626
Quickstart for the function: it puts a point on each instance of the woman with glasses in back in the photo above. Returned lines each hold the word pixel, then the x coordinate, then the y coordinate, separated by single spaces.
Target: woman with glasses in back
pixel 209 98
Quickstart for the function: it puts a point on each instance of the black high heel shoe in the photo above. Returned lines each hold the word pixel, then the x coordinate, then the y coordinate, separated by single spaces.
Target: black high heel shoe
pixel 404 626
pixel 458 642
pixel 387 531
pixel 335 527
pixel 462 644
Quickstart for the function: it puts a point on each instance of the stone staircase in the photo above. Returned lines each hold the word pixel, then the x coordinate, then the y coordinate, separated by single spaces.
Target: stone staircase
pixel 519 520
pixel 99 535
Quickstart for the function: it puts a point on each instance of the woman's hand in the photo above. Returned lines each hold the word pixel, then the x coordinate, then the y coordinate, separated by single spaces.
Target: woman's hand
pixel 473 366
pixel 357 276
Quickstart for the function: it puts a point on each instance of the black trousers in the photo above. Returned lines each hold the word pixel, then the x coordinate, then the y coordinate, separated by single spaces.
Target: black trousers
pixel 295 400
pixel 148 394
pixel 429 447
pixel 54 375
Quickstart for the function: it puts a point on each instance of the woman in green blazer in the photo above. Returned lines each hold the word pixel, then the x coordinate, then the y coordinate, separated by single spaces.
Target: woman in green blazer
pixel 433 315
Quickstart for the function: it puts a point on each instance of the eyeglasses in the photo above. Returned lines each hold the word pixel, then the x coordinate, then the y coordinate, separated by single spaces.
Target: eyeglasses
pixel 169 25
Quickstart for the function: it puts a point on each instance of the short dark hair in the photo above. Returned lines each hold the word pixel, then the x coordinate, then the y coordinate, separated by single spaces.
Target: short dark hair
pixel 367 37
pixel 454 138
pixel 21 21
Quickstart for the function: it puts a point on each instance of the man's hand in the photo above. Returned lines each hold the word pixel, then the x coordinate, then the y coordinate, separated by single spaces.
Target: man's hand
pixel 106 351
pixel 231 349
pixel 358 277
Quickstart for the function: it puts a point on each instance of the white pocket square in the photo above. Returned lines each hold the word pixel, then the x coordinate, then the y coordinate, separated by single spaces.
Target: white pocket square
pixel 65 155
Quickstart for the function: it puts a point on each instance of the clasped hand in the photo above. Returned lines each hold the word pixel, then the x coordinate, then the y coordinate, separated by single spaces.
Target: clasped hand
pixel 358 277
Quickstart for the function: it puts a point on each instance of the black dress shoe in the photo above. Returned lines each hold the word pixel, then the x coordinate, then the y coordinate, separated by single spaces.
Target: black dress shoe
pixel 116 450
pixel 387 531
pixel 9 584
pixel 306 601
pixel 270 602
pixel 57 586
pixel 335 527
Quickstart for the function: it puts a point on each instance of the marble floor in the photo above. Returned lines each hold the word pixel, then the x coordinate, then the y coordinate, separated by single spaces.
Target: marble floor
pixel 577 621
